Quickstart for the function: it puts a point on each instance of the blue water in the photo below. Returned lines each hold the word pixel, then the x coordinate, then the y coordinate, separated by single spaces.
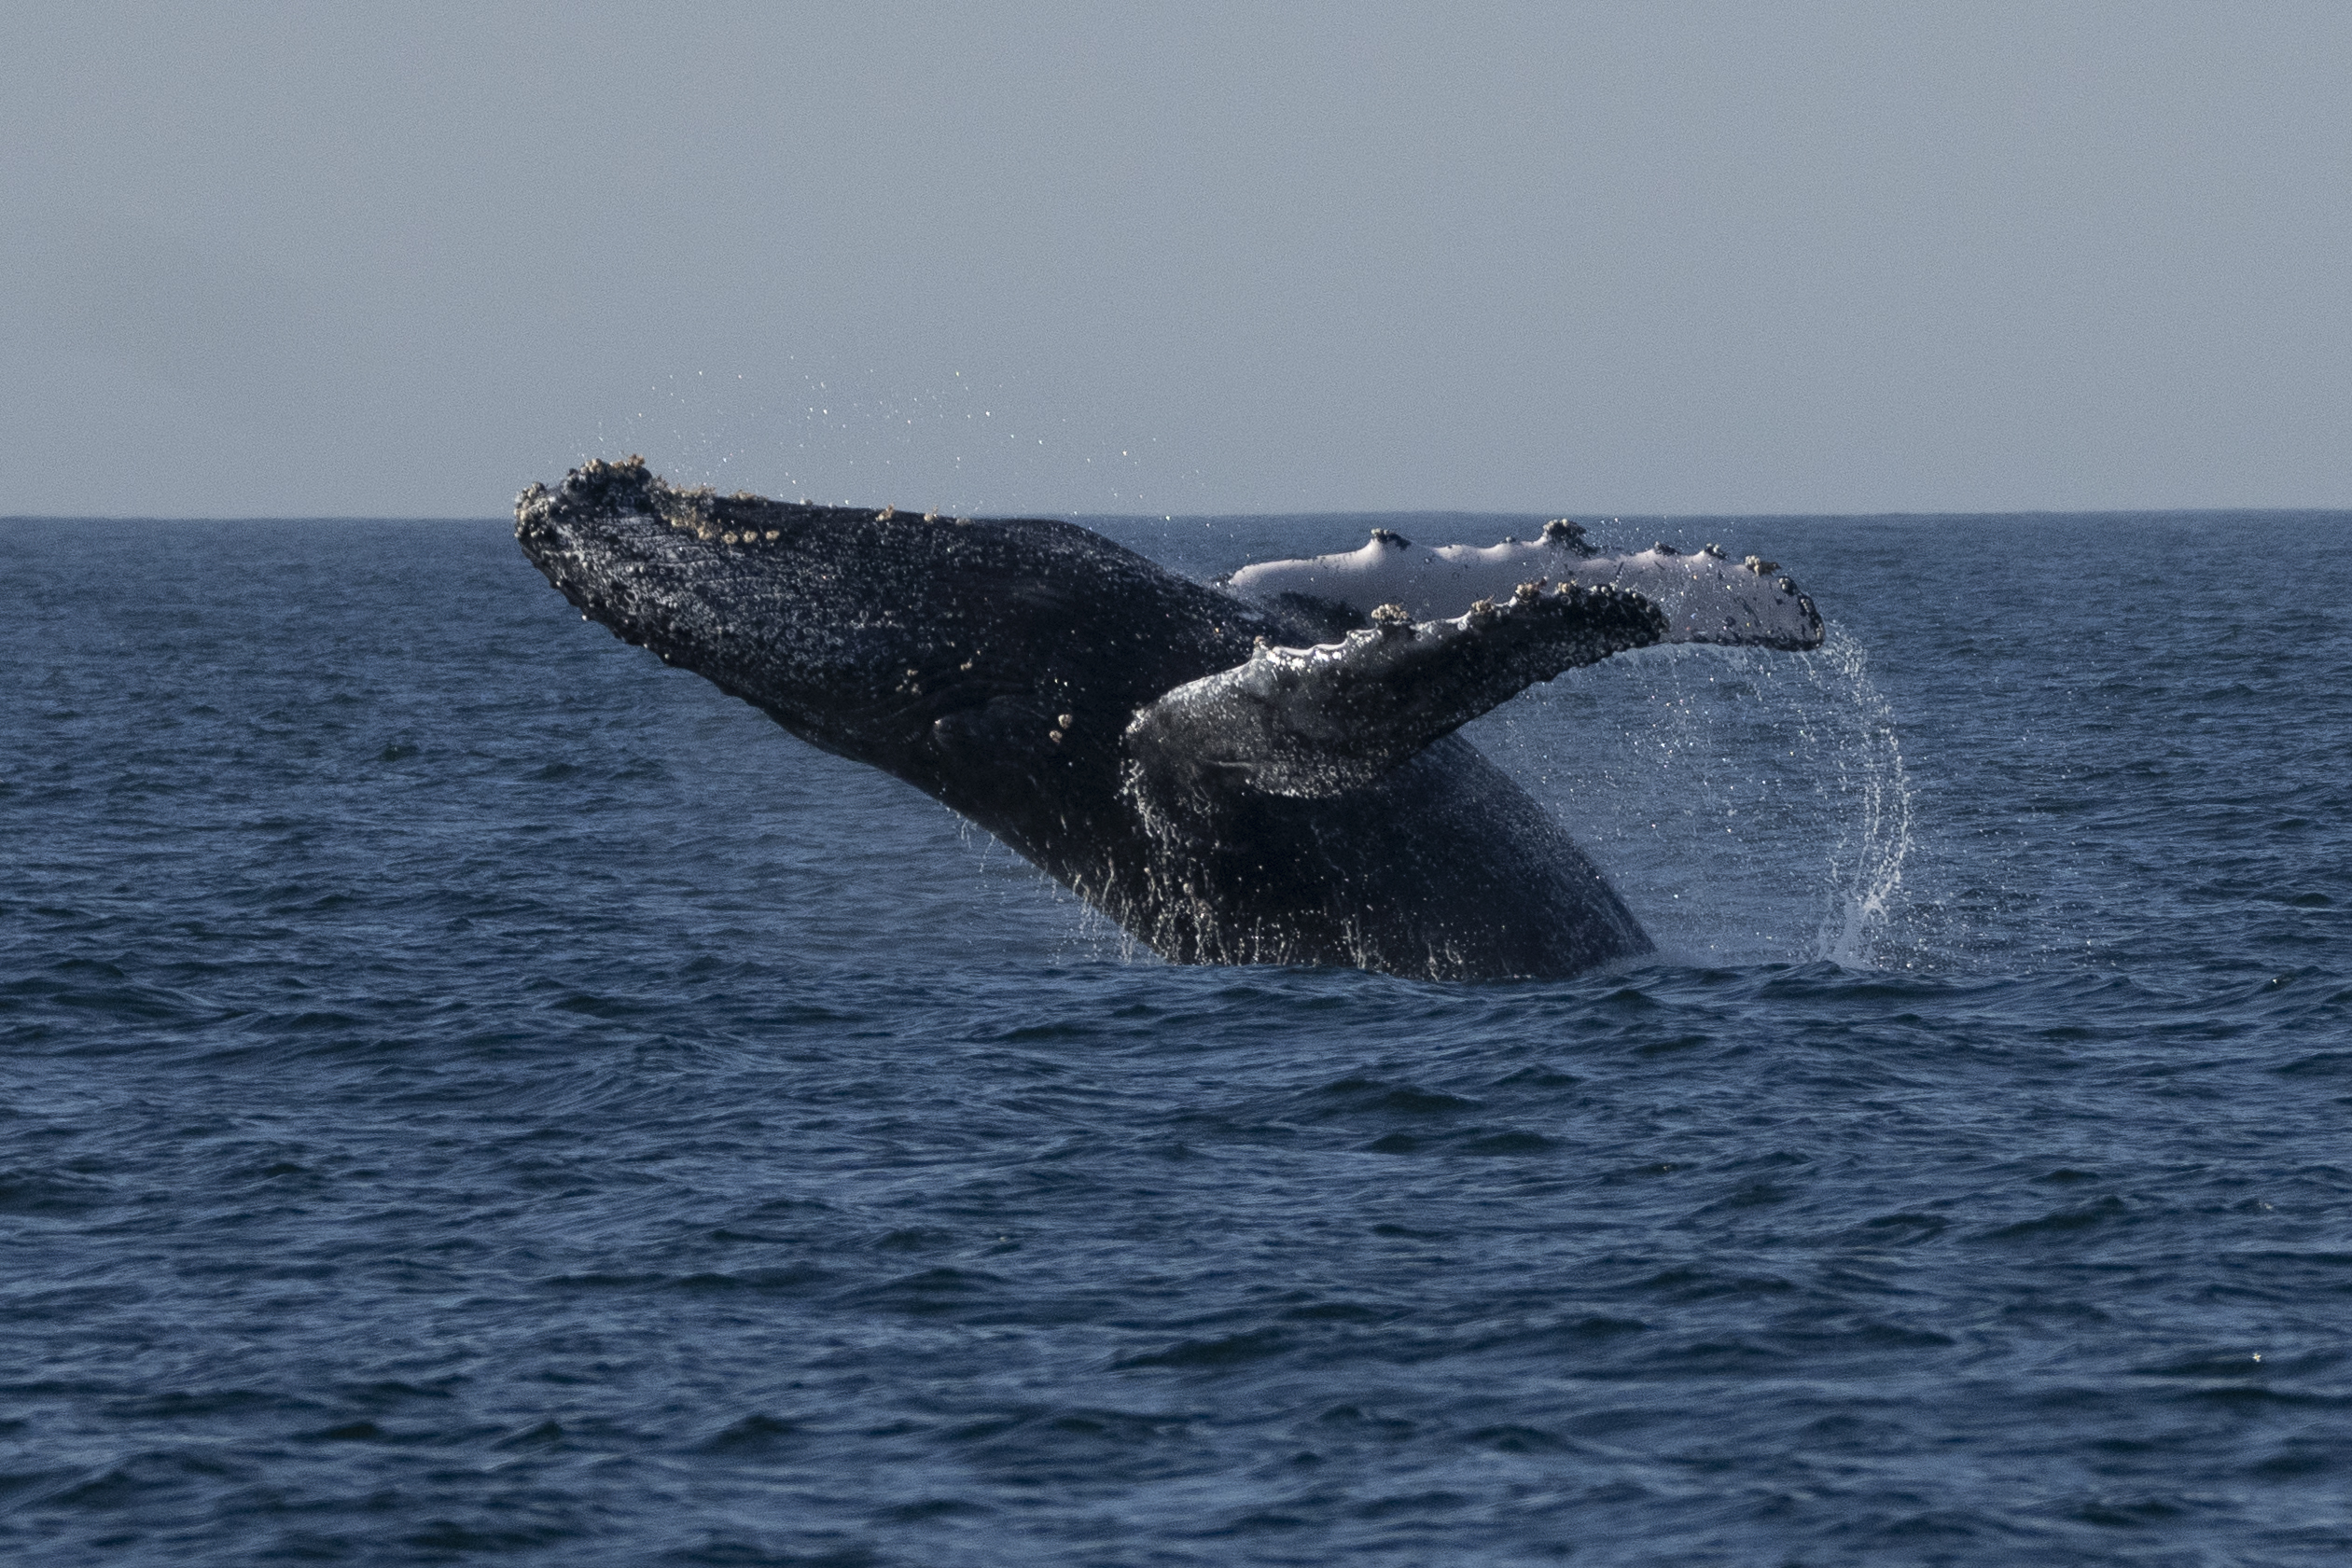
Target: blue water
pixel 472 1093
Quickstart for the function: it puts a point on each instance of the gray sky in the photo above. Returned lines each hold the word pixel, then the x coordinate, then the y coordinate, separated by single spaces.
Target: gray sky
pixel 402 259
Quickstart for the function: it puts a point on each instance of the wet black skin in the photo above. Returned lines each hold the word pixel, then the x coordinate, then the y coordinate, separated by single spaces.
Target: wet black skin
pixel 950 653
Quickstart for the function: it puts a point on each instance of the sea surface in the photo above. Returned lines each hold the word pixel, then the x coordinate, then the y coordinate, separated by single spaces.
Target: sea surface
pixel 470 1093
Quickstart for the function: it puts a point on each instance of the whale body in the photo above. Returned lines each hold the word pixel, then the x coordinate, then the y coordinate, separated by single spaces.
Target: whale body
pixel 1262 772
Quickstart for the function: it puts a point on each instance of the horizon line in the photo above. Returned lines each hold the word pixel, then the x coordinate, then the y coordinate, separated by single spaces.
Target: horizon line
pixel 1597 514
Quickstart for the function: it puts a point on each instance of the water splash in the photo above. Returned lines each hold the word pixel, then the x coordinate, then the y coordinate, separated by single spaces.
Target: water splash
pixel 1865 866
pixel 1752 807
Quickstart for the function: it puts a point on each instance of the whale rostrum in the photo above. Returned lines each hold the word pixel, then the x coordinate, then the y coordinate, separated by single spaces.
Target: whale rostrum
pixel 1263 771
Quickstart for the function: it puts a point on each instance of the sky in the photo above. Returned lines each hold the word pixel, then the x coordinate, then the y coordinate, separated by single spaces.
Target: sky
pixel 397 259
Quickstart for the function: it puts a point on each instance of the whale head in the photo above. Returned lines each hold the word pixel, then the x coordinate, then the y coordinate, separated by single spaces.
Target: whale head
pixel 937 648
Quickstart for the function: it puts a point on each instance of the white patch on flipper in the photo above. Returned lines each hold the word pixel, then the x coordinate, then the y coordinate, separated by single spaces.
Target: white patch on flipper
pixel 1707 598
pixel 1322 720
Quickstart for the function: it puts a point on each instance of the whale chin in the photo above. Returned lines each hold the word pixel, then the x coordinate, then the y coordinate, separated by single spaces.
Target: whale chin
pixel 1265 771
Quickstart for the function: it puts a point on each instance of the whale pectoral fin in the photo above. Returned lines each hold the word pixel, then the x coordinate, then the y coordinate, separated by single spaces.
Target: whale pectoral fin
pixel 1705 596
pixel 1323 720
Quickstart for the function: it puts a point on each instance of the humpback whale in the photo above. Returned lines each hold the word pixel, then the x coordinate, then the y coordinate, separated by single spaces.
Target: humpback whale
pixel 1258 771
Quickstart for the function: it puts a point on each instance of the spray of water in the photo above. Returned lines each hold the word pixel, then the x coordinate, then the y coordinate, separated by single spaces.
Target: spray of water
pixel 1866 861
pixel 1752 807
pixel 962 444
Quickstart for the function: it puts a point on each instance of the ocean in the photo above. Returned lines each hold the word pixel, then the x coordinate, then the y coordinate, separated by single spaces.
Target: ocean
pixel 472 1093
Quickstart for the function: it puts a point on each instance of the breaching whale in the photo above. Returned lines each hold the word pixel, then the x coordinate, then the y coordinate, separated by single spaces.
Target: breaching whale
pixel 1264 771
